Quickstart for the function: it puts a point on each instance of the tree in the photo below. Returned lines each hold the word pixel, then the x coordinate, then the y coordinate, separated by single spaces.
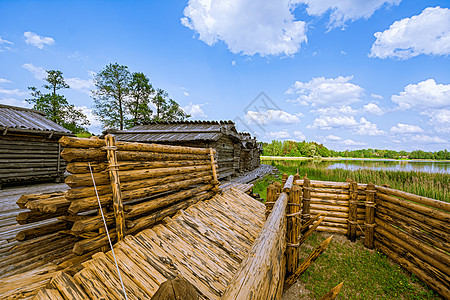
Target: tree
pixel 113 86
pixel 167 109
pixel 140 91
pixel 55 106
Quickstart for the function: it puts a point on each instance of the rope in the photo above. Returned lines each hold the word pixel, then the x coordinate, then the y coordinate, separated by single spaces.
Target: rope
pixel 107 233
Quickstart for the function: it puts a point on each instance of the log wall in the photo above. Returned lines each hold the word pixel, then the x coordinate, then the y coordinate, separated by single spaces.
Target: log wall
pixel 413 231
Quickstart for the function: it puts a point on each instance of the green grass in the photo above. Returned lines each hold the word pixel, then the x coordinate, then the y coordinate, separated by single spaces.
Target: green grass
pixel 367 274
pixel 432 185
pixel 83 135
pixel 260 186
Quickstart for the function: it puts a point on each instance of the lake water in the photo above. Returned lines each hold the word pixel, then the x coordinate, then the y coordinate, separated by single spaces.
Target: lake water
pixel 375 164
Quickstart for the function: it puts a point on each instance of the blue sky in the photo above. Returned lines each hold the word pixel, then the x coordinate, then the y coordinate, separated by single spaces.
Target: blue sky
pixel 349 74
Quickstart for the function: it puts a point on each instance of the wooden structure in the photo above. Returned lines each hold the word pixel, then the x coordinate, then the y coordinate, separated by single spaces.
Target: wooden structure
pixel 29 148
pixel 412 230
pixel 222 136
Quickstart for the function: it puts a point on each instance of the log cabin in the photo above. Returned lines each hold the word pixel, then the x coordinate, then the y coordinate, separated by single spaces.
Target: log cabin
pixel 219 135
pixel 29 148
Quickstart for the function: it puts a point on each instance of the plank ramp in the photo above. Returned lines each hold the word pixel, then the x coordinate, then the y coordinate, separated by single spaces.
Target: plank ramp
pixel 204 244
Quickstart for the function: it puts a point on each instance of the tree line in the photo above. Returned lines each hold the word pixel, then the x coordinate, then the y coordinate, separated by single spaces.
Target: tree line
pixel 313 149
pixel 122 99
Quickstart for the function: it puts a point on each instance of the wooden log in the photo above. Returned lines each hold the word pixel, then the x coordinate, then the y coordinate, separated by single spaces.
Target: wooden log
pixel 305 226
pixel 99 155
pixel 306 206
pixel 67 286
pixel 433 256
pixel 352 211
pixel 83 167
pixel 26 217
pixel 31 233
pixel 332 294
pixel 48 294
pixel 330 191
pixel 292 228
pixel 333 230
pixel 445 206
pixel 22 201
pixel 253 281
pixel 177 288
pixel 326 184
pixel 328 202
pixel 86 192
pixel 370 216
pixel 50 205
pixel 417 269
pixel 271 197
pixel 330 208
pixel 430 212
pixel 85 204
pixel 93 286
pixel 284 178
pixel 309 231
pixel 213 166
pixel 330 196
pixel 81 180
pixel 306 263
pixel 288 184
pixel 66 141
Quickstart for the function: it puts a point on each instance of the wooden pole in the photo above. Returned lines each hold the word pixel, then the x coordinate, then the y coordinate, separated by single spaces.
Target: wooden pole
pixel 332 294
pixel 213 167
pixel 284 177
pixel 293 210
pixel 270 198
pixel 370 216
pixel 352 211
pixel 115 186
pixel 306 200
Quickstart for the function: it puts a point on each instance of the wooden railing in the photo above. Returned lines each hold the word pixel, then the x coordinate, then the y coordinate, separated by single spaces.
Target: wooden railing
pixel 412 230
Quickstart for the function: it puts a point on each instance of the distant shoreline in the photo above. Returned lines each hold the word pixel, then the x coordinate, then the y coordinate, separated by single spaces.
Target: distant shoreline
pixel 346 158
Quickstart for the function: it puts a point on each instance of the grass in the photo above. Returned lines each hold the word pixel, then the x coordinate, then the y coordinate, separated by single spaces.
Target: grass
pixel 83 135
pixel 367 274
pixel 260 186
pixel 432 185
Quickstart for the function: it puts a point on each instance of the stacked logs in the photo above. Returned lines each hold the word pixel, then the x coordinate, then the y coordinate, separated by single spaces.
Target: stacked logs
pixel 155 181
pixel 332 200
pixel 414 231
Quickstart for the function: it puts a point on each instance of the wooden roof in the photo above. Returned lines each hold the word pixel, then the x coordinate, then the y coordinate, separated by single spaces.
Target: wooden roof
pixel 21 119
pixel 178 132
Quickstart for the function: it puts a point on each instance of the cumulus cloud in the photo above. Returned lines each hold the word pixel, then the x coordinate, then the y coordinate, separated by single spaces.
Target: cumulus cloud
pixel 321 91
pixel 336 111
pixel 342 11
pixel 33 39
pixel 283 134
pixel 366 127
pixel 82 85
pixel 405 128
pixel 427 33
pixel 299 135
pixel 333 138
pixel 95 126
pixel 376 96
pixel 349 142
pixel 248 27
pixel 3 80
pixel 440 118
pixel 13 92
pixel 426 139
pixel 425 94
pixel 15 102
pixel 373 109
pixel 195 110
pixel 272 117
pixel 38 72
pixel 328 122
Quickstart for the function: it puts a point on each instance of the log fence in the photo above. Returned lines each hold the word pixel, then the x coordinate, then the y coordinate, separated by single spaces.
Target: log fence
pixel 137 185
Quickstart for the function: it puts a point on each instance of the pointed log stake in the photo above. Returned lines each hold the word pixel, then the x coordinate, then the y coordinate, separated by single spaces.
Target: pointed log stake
pixel 310 221
pixel 305 264
pixel 309 232
pixel 333 292
pixel 352 210
pixel 115 186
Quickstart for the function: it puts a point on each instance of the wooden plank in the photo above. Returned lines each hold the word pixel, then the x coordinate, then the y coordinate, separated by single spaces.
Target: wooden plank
pixel 67 286
pixel 93 286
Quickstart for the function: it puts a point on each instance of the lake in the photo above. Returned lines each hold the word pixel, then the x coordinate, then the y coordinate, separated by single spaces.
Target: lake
pixel 372 164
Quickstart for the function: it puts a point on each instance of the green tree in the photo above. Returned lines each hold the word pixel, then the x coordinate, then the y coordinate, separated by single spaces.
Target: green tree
pixel 166 108
pixel 55 106
pixel 110 96
pixel 140 93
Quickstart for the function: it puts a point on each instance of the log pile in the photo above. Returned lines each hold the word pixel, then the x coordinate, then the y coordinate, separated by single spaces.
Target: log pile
pixel 150 181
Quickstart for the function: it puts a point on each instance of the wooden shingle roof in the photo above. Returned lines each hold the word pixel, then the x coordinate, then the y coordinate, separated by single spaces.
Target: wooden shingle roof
pixel 21 119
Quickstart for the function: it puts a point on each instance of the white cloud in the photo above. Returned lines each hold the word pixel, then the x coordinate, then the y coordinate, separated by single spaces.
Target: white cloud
pixel 440 118
pixel 38 72
pixel 336 111
pixel 425 139
pixel 373 109
pixel 328 122
pixel 82 85
pixel 321 91
pixel 279 134
pixel 186 94
pixel 425 94
pixel 368 128
pixel 405 128
pixel 233 62
pixel 273 117
pixel 342 11
pixel 349 142
pixel 32 38
pixel 246 26
pixel 13 92
pixel 3 80
pixel 195 110
pixel 333 138
pixel 15 102
pixel 427 33
pixel 299 135
pixel 96 126
pixel 376 96
pixel 4 43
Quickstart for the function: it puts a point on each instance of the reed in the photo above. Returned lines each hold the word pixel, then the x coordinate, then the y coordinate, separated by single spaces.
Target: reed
pixel 432 185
